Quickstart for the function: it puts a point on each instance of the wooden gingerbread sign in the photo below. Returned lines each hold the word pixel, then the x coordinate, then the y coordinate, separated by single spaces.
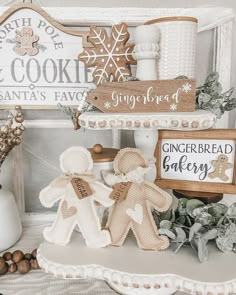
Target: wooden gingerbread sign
pixel 145 96
pixel 202 161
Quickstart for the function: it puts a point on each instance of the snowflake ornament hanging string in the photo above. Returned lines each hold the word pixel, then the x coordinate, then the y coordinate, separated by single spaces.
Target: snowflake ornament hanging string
pixel 110 56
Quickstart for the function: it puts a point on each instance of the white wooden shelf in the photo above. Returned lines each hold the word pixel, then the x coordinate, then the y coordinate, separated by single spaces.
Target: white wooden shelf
pixel 145 126
pixel 198 120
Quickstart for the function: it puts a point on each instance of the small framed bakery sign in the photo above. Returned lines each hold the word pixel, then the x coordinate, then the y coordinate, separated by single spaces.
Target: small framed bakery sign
pixel 39 67
pixel 202 161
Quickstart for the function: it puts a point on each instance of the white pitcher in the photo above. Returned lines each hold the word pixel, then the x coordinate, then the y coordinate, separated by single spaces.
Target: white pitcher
pixel 10 222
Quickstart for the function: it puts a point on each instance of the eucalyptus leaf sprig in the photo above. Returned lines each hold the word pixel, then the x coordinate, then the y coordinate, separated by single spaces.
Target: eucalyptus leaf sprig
pixel 194 224
pixel 210 97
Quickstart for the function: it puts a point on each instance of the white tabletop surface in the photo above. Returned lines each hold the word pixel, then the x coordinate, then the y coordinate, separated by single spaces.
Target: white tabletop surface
pixel 38 282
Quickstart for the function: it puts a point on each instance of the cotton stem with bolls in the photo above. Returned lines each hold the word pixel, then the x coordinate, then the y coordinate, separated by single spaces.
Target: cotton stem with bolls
pixel 83 106
pixel 10 133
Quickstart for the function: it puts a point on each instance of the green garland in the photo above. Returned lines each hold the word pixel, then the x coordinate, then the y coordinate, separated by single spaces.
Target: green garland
pixel 192 223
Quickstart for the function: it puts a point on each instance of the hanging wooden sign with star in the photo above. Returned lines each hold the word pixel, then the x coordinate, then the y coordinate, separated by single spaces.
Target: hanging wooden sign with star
pixel 145 96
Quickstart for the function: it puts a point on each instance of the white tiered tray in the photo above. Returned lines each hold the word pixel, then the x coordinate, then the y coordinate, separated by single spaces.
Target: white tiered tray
pixel 130 270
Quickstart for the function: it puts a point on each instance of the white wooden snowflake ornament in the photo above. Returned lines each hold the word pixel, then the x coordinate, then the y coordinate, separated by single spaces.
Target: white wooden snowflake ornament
pixel 110 56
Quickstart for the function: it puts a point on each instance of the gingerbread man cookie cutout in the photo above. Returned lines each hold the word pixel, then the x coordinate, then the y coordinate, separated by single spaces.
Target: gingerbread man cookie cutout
pixel 133 211
pixel 220 165
pixel 26 41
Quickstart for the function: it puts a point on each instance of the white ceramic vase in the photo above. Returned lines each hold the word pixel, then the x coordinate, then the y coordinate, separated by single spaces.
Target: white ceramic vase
pixel 178 37
pixel 10 222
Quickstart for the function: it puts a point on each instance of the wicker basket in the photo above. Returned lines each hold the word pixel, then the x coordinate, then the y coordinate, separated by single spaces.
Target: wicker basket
pixel 177 46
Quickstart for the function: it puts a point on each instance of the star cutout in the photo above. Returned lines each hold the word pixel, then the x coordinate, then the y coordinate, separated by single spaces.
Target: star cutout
pixel 186 87
pixel 110 56
pixel 107 105
pixel 173 107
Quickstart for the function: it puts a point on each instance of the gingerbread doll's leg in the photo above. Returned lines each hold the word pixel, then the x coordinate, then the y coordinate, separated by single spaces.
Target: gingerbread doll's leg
pixel 212 175
pixel 119 226
pixel 90 226
pixel 61 230
pixel 32 51
pixel 147 235
pixel 224 177
pixel 20 51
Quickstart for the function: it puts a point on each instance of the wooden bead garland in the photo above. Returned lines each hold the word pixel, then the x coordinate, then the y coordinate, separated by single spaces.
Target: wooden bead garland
pixel 17 256
pixel 18 261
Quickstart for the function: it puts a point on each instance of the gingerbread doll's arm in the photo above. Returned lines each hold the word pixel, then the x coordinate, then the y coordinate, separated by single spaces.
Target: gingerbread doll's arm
pixel 159 199
pixel 18 38
pixel 35 38
pixel 229 165
pixel 213 162
pixel 53 192
pixel 101 193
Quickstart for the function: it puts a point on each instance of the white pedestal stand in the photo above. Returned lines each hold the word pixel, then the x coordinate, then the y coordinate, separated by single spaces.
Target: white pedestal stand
pixel 128 269
pixel 132 271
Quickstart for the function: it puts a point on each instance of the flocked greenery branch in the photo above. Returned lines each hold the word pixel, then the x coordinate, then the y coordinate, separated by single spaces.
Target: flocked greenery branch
pixel 210 96
pixel 74 113
pixel 193 224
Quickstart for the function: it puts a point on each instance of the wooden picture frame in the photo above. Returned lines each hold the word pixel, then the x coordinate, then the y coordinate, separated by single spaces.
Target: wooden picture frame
pixel 192 185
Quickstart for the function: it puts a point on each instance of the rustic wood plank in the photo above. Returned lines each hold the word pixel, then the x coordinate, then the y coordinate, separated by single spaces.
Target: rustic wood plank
pixel 50 19
pixel 199 134
pixel 145 96
pixel 196 186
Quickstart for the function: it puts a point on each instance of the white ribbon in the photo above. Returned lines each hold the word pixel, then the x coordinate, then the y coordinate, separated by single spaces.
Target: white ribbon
pixel 137 176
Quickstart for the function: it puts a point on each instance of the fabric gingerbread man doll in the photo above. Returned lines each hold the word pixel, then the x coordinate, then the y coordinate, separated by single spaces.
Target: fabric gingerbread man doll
pixel 132 209
pixel 78 190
